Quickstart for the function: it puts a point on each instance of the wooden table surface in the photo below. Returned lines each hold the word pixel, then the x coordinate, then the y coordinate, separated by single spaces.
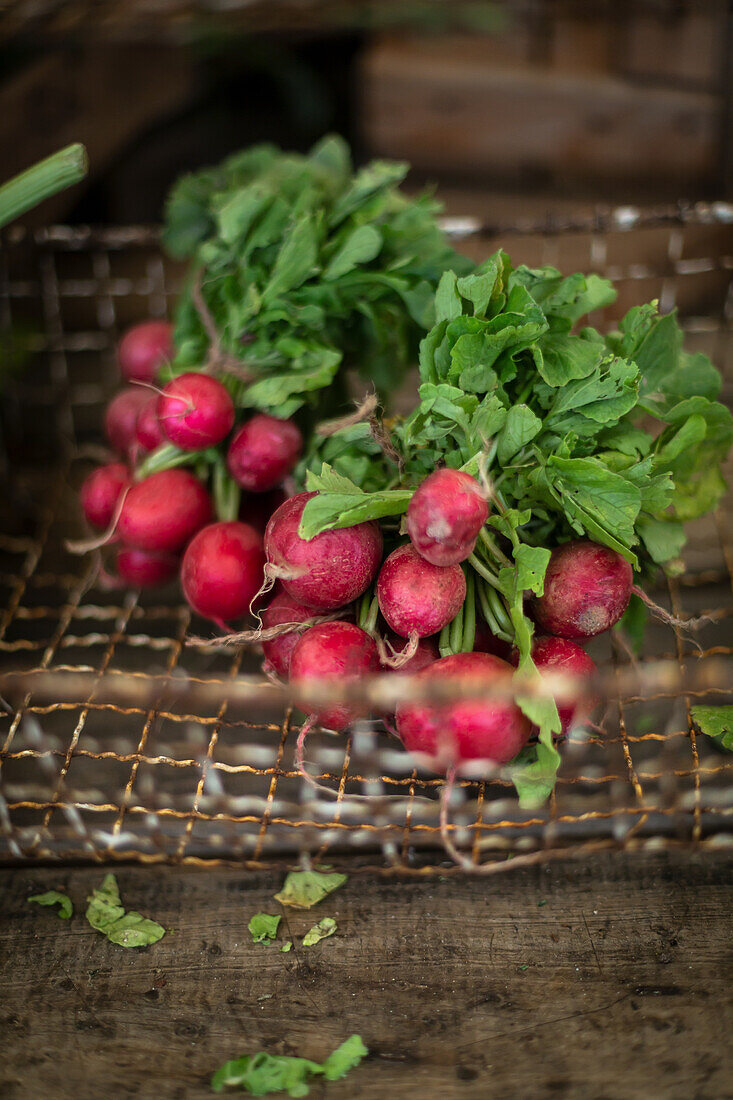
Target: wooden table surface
pixel 604 980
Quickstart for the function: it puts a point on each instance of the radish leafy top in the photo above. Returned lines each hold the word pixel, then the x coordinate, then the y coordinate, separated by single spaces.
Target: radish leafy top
pixel 305 266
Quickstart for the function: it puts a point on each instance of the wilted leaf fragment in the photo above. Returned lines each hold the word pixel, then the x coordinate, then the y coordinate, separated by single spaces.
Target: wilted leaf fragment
pixel 320 931
pixel 106 913
pixel 262 1073
pixel 304 889
pixel 54 897
pixel 263 927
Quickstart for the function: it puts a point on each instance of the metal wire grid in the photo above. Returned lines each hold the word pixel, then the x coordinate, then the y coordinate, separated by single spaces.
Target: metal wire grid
pixel 90 778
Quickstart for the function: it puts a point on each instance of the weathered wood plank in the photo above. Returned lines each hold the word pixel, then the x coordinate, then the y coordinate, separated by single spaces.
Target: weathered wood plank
pixel 625 992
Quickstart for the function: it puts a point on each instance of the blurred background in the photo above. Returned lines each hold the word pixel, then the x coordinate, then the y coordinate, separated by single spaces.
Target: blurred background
pixel 512 109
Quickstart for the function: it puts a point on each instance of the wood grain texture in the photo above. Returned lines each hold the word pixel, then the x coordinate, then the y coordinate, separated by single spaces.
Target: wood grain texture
pixel 615 988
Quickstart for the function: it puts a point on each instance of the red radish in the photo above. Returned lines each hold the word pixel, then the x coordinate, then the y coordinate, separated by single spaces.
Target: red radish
pixel 148 431
pixel 256 508
pixel 486 642
pixel 195 411
pixel 333 651
pixel 427 651
pixel 263 452
pixel 222 570
pixel 417 597
pixel 587 590
pixel 278 651
pixel 327 571
pixel 121 416
pixel 101 491
pixel 144 568
pixel 565 656
pixel 164 511
pixel 469 732
pixel 445 516
pixel 143 349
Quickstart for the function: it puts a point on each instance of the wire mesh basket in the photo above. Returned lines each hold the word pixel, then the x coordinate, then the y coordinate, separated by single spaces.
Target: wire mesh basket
pixel 124 742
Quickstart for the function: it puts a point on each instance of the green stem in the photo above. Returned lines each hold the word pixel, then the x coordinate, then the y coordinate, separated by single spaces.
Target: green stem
pixel 488 614
pixel 371 620
pixel 496 552
pixel 469 613
pixel 456 632
pixel 364 605
pixel 226 493
pixel 444 641
pixel 44 179
pixel 500 612
pixel 166 457
pixel 484 571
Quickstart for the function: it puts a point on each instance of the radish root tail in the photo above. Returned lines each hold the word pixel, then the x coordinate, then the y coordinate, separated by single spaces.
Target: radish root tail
pixel 84 546
pixel 666 617
pixel 393 658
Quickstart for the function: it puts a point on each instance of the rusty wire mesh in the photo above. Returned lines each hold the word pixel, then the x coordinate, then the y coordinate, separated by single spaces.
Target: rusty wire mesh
pixel 207 774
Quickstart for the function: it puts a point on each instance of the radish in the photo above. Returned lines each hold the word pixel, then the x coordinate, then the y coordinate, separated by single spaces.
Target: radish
pixel 121 416
pixel 464 734
pixel 278 651
pixel 263 452
pixel 564 655
pixel 164 511
pixel 148 432
pixel 145 568
pixel 416 597
pixel 587 590
pixel 101 491
pixel 143 349
pixel 333 651
pixel 222 570
pixel 445 516
pixel 327 571
pixel 195 411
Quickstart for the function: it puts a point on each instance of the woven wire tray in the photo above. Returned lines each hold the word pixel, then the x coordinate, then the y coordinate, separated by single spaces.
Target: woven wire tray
pixel 124 742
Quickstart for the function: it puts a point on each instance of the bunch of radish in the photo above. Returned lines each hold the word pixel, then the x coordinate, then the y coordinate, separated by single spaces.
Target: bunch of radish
pixel 166 519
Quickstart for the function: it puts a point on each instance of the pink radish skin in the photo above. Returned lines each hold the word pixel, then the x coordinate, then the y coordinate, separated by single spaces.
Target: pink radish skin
pixel 120 419
pixel 164 511
pixel 445 516
pixel 101 491
pixel 143 349
pixel 263 452
pixel 587 590
pixel 563 655
pixel 469 733
pixel 148 432
pixel 222 570
pixel 278 651
pixel 415 596
pixel 144 568
pixel 327 571
pixel 333 651
pixel 195 411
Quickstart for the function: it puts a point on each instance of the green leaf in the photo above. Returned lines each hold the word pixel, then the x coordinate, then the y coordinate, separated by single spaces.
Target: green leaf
pixel 284 394
pixel 604 503
pixel 287 946
pixel 663 539
pixel 330 481
pixel 107 915
pixel 321 931
pixel 260 1074
pixel 448 303
pixel 295 260
pixel 334 510
pixel 344 1058
pixel 361 246
pixel 304 889
pixel 55 897
pixel 263 927
pixel 520 428
pixel 528 574
pixel 534 774
pixel 566 358
pixel 715 722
